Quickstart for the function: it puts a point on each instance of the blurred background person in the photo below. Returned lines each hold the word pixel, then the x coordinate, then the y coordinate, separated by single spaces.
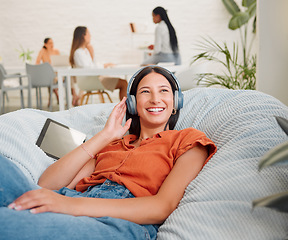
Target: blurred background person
pixel 165 44
pixel 44 56
pixel 46 51
pixel 82 55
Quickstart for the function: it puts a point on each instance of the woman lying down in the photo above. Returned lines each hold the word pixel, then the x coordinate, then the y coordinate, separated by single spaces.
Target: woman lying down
pixel 113 185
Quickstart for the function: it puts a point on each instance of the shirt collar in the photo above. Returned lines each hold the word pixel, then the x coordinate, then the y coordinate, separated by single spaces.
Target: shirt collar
pixel 131 137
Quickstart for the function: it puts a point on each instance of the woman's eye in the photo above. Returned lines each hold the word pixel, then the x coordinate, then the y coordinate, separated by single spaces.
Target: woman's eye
pixel 164 90
pixel 144 91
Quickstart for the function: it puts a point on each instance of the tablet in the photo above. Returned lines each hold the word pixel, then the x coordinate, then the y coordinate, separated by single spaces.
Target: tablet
pixel 56 139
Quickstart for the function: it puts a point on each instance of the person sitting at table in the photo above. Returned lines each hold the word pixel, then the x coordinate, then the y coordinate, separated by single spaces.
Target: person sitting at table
pixel 44 56
pixel 165 44
pixel 82 55
pixel 46 51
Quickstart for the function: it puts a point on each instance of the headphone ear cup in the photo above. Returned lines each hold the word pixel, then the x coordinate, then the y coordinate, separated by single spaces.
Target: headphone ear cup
pixel 131 104
pixel 134 104
pixel 176 100
pixel 180 100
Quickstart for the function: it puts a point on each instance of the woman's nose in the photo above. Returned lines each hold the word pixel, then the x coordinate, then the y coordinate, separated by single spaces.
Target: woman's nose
pixel 155 98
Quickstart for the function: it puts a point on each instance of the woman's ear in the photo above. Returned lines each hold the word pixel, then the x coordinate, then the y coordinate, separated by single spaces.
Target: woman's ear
pixel 174 111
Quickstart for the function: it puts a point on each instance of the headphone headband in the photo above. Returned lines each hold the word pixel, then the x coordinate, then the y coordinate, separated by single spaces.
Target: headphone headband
pixel 131 100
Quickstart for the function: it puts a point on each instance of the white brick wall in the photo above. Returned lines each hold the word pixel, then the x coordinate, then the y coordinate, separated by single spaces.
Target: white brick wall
pixel 28 22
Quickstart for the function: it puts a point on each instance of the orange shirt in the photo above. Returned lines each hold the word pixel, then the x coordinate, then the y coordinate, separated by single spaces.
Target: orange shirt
pixel 143 169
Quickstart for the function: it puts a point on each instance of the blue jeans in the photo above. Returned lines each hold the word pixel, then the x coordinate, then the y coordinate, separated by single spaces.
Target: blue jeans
pixel 25 225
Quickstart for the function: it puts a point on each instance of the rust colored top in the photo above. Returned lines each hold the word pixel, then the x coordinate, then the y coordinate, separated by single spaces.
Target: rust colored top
pixel 143 169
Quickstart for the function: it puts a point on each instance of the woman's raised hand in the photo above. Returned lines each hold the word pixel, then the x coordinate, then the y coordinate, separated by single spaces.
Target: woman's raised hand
pixel 113 126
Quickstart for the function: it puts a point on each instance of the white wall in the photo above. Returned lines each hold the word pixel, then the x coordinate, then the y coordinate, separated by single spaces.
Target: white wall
pixel 272 66
pixel 28 22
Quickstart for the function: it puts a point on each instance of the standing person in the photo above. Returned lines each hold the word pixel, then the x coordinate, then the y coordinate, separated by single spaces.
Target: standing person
pixel 165 44
pixel 44 56
pixel 113 185
pixel 82 55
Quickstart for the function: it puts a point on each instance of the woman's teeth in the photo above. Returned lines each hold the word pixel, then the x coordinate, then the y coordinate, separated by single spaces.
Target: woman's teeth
pixel 155 109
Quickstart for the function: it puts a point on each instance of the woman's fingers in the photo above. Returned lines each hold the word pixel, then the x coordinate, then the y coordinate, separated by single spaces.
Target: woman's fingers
pixel 113 126
pixel 118 109
pixel 27 200
pixel 118 112
pixel 122 105
pixel 34 199
pixel 127 124
pixel 42 200
pixel 123 110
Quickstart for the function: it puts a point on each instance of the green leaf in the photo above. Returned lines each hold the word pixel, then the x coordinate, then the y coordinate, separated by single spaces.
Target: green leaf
pixel 283 123
pixel 277 201
pixel 274 155
pixel 248 3
pixel 238 20
pixel 252 9
pixel 231 6
pixel 236 75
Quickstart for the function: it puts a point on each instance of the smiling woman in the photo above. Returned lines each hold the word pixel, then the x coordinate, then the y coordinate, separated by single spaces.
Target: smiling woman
pixel 124 185
pixel 170 82
pixel 154 102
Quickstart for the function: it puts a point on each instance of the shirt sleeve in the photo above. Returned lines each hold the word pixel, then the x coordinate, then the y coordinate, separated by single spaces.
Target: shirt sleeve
pixel 192 137
pixel 158 40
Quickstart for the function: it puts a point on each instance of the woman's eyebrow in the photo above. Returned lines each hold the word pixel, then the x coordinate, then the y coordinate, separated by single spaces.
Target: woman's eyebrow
pixel 143 87
pixel 163 85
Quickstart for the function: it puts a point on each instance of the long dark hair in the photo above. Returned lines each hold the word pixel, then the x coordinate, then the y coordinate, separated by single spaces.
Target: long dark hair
pixel 46 41
pixel 78 40
pixel 135 127
pixel 173 38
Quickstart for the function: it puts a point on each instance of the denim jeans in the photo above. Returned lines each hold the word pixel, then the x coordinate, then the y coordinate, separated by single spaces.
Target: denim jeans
pixel 25 225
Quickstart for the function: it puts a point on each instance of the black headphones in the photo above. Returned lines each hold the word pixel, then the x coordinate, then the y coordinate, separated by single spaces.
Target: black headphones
pixel 131 100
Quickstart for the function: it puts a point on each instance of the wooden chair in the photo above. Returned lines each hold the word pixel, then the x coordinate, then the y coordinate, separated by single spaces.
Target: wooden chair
pixel 91 85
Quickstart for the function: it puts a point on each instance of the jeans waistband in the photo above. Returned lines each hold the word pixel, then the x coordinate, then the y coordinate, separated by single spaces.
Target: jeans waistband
pixel 108 189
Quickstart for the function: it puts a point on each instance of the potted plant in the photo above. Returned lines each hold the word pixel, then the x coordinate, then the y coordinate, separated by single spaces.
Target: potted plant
pixel 25 55
pixel 237 74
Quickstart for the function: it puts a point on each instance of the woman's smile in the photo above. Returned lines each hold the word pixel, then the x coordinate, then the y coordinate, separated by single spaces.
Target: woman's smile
pixel 155 109
pixel 154 99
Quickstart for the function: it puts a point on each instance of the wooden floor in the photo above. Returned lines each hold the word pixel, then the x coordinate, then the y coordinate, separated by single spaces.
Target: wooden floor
pixel 14 102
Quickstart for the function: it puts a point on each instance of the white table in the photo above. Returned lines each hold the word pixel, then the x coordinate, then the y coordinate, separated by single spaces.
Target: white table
pixel 126 70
